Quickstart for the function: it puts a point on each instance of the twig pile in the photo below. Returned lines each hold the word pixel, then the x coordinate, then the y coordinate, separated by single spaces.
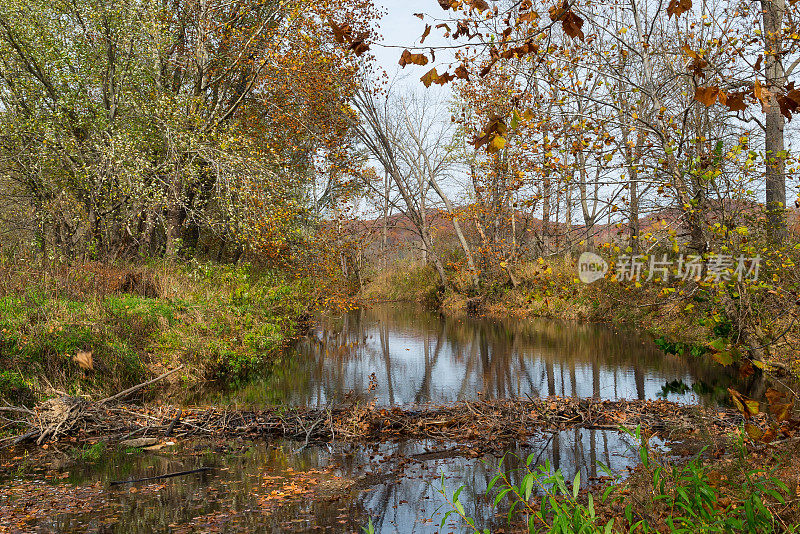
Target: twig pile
pixel 489 422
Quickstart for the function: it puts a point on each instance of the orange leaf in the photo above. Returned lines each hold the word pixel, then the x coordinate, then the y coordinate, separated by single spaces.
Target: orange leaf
pixel 707 95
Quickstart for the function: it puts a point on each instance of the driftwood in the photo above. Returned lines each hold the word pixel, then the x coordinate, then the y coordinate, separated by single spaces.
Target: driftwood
pixel 487 424
pixel 134 389
pixel 66 416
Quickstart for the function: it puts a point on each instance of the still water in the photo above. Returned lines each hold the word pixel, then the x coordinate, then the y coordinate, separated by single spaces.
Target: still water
pixel 389 355
pixel 404 355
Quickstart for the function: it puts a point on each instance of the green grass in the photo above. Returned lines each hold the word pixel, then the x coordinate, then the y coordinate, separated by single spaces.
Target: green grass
pixel 221 322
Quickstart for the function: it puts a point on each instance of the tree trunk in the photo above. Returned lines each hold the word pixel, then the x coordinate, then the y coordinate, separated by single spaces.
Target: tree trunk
pixel 774 141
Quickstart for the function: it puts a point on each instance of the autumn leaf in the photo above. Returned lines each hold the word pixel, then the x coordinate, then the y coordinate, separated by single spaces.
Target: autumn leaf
pixel 527 17
pixel 707 95
pixel 462 73
pixel 445 4
pixel 339 32
pixel 429 77
pixel 480 5
pixel 420 16
pixel 572 25
pixel 678 7
pixel 417 59
pixel 359 43
pixel 84 360
pixel 558 11
pixel 425 33
pixel 753 431
pixel 735 102
pixel 497 143
pixel 444 78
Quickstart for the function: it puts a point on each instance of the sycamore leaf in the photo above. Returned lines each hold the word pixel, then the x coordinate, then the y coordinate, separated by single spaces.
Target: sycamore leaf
pixel 735 102
pixel 774 396
pixel 420 16
pixel 417 59
pixel 707 95
pixel 781 412
pixel 339 32
pixel 724 358
pixel 462 73
pixel 678 7
pixel 571 23
pixel 429 77
pixel 480 5
pixel 530 16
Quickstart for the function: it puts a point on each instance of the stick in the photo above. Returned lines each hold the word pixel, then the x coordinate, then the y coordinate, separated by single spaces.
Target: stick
pixel 136 388
pixel 172 424
pixel 168 475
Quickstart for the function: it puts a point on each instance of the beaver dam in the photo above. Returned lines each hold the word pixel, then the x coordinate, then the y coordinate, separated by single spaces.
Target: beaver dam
pixel 362 421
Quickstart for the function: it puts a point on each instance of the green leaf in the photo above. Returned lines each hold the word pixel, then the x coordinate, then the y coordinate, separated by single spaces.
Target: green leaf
pixel 576 485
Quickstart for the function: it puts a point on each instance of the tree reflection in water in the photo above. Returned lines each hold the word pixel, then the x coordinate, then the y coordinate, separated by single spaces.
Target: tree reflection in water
pixel 420 356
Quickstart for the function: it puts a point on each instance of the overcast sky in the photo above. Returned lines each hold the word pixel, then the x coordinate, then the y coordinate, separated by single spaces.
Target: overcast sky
pixel 400 29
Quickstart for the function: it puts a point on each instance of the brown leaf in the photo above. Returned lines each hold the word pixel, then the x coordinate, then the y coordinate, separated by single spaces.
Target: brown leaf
pixel 420 16
pixel 359 44
pixel 735 102
pixel 558 11
pixel 444 78
pixel 462 73
pixel 757 66
pixel 774 396
pixel 417 59
pixel 527 17
pixel 678 7
pixel 572 25
pixel 445 4
pixel 706 95
pixel 761 93
pixel 84 360
pixel 480 5
pixel 429 77
pixel 425 33
pixel 339 32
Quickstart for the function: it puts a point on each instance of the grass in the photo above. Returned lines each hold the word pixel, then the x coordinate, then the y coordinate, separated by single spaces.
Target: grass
pixel 221 322
pixel 739 493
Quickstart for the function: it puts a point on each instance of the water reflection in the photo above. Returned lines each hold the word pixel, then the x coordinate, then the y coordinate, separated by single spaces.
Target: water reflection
pixel 417 356
pixel 395 484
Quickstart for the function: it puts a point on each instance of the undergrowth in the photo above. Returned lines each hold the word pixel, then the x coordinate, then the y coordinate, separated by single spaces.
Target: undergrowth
pixel 221 322
pixel 663 497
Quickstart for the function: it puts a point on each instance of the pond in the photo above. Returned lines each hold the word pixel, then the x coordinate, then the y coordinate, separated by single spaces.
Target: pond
pixel 386 355
pixel 400 354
